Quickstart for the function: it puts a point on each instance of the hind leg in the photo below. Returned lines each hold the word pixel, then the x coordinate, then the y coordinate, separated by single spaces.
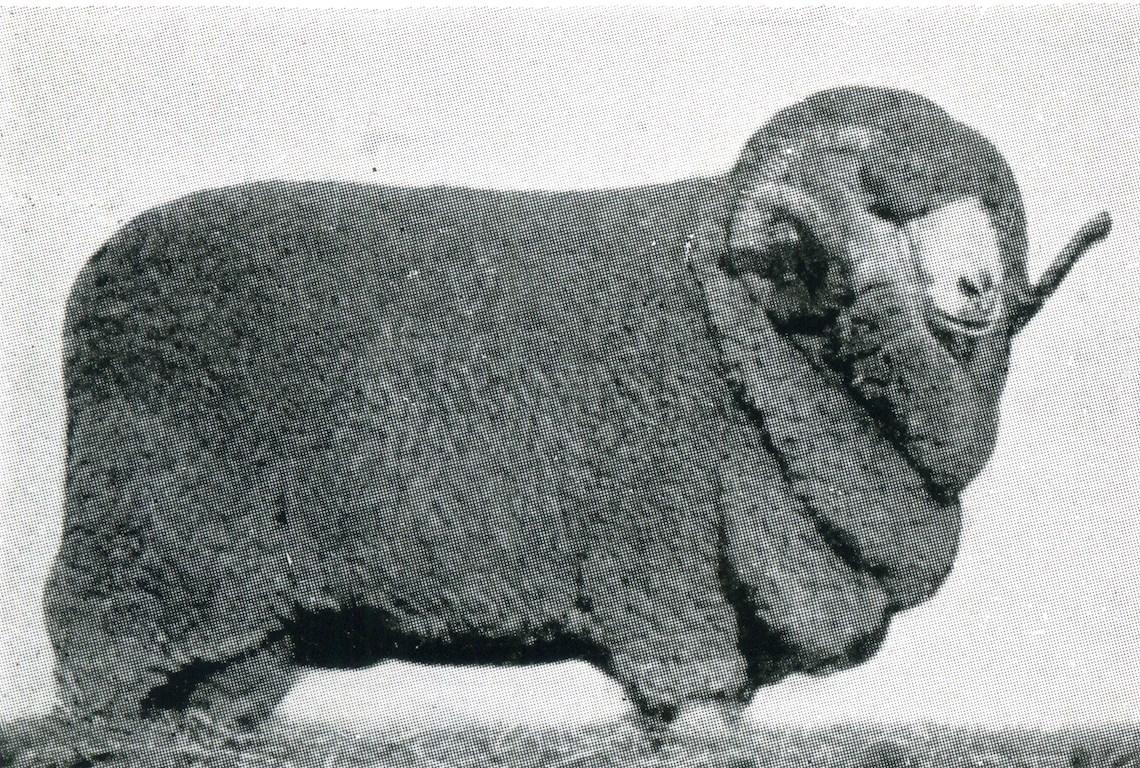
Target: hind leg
pixel 120 658
pixel 170 585
pixel 108 654
pixel 241 691
pixel 122 678
pixel 106 678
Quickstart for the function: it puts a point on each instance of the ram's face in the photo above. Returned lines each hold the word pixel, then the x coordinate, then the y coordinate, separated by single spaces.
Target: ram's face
pixel 962 278
pixel 912 315
pixel 818 259
pixel 942 272
pixel 887 242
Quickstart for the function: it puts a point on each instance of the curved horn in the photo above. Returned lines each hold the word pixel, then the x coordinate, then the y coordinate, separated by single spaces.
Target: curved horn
pixel 1095 230
pixel 762 207
pixel 790 240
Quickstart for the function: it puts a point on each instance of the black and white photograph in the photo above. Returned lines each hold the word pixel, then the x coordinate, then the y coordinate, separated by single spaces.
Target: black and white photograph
pixel 547 386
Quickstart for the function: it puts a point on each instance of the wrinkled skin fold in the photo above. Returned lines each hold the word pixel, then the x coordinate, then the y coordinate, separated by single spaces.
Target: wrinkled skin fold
pixel 865 290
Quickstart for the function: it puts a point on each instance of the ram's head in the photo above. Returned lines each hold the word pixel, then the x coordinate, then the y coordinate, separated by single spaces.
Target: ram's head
pixel 887 242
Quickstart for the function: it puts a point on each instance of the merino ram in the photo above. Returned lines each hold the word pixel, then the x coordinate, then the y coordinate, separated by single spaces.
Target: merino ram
pixel 702 434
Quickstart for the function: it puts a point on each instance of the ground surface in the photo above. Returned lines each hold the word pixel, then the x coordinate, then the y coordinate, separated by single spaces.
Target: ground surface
pixel 47 743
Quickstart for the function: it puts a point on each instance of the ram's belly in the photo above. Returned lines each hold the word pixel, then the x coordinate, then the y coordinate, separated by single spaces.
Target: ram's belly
pixel 442 508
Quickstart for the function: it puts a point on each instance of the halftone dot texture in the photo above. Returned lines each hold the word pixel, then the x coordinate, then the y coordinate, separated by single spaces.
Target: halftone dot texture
pixel 610 745
pixel 328 424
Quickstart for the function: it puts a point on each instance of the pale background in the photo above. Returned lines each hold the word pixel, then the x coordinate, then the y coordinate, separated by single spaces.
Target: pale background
pixel 104 113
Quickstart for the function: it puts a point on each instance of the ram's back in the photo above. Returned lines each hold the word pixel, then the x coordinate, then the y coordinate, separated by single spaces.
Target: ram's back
pixel 439 402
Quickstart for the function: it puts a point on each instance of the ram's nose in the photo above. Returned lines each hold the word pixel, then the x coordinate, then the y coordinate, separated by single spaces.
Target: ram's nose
pixel 968 303
pixel 976 283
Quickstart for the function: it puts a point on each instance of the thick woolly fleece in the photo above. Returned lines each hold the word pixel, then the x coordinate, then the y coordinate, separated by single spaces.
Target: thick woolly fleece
pixel 333 423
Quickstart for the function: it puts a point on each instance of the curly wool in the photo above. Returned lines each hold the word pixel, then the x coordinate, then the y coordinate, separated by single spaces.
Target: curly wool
pixel 334 423
pixel 479 415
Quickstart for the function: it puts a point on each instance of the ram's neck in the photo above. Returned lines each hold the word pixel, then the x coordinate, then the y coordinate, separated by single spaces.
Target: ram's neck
pixel 850 481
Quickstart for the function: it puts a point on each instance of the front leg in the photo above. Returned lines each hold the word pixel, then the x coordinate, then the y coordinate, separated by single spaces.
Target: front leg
pixel 650 580
pixel 664 674
pixel 666 629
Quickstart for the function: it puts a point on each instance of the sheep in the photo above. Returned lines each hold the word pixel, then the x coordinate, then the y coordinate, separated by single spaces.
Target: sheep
pixel 701 434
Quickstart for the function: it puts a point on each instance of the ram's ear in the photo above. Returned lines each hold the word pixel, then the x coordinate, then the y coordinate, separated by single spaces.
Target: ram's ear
pixel 782 239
